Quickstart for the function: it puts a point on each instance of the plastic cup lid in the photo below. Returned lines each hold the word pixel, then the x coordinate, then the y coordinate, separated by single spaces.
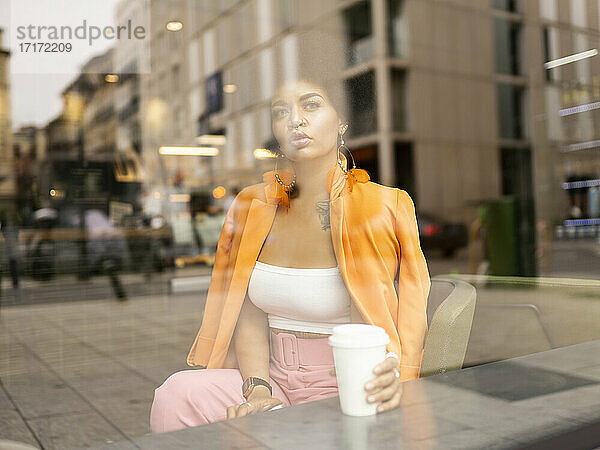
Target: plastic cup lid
pixel 358 335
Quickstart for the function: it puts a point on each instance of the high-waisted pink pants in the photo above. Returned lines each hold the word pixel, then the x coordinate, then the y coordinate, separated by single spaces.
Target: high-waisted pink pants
pixel 299 372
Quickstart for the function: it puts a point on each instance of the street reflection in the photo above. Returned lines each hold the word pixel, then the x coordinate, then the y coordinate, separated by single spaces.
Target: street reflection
pixel 120 158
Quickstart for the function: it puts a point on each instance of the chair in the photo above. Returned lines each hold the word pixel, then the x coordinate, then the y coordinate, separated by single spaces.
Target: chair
pixel 450 310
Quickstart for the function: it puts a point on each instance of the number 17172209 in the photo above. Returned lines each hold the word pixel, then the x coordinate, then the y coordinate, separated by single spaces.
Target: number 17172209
pixel 45 47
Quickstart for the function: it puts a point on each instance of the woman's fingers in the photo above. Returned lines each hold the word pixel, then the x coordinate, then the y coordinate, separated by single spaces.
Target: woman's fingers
pixel 272 403
pixel 393 402
pixel 386 365
pixel 380 381
pixel 385 388
pixel 252 407
pixel 231 411
pixel 384 394
pixel 245 408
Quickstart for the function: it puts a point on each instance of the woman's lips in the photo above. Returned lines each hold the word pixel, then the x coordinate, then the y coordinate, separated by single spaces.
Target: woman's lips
pixel 299 139
pixel 300 142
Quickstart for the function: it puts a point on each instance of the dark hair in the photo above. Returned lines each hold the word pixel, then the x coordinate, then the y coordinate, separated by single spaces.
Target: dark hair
pixel 320 59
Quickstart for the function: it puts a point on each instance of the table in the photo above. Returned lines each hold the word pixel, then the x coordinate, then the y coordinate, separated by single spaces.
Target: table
pixel 516 403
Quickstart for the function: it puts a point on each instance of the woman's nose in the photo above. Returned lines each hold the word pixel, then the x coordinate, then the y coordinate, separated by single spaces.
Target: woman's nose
pixel 295 118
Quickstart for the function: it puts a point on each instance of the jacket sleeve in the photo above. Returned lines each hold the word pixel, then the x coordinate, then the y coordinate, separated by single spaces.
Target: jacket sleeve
pixel 413 289
pixel 205 339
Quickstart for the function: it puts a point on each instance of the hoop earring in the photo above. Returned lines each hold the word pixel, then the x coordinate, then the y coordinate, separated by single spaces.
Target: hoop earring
pixel 339 159
pixel 287 187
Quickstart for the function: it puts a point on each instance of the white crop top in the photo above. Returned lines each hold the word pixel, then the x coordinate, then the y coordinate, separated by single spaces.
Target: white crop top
pixel 313 300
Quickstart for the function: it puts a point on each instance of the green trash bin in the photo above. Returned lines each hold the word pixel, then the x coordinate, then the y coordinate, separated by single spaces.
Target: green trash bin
pixel 509 223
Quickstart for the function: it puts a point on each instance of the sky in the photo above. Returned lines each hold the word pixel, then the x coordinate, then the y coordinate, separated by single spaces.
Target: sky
pixel 35 97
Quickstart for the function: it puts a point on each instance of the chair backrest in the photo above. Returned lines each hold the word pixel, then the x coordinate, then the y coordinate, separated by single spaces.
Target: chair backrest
pixel 450 309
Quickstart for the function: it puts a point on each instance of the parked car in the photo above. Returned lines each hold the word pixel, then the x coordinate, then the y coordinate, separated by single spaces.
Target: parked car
pixel 436 233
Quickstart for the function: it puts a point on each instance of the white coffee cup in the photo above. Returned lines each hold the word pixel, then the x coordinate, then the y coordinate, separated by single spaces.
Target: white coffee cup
pixel 357 349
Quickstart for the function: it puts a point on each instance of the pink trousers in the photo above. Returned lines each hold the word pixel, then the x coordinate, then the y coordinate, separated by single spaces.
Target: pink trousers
pixel 299 372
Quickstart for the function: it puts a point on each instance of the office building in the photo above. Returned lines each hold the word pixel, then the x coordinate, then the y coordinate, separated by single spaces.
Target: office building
pixel 449 100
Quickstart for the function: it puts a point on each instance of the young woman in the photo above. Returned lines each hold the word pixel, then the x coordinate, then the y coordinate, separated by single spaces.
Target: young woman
pixel 313 246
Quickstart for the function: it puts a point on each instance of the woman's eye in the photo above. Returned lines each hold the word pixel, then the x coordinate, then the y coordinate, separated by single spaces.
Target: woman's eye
pixel 311 105
pixel 278 112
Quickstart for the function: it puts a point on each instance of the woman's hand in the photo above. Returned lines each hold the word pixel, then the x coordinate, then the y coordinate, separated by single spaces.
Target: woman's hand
pixel 386 387
pixel 258 403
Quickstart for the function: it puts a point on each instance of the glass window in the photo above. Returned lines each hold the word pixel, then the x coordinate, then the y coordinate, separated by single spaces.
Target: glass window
pixel 405 170
pixel 122 188
pixel 357 21
pixel 362 107
pixel 582 68
pixel 506 38
pixel 397 28
pixel 510 111
pixel 550 36
pixel 507 5
pixel 286 13
pixel 367 158
pixel 399 100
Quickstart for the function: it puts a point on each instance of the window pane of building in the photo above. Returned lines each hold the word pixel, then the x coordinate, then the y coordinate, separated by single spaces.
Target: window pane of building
pixel 506 38
pixel 405 173
pixel 362 108
pixel 399 100
pixel 551 52
pixel 510 111
pixel 357 20
pixel 506 5
pixel 367 158
pixel 397 28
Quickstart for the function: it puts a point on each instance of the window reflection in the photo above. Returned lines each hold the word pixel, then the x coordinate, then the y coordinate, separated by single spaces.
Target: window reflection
pixel 360 91
pixel 357 21
pixel 397 28
pixel 452 103
pixel 507 38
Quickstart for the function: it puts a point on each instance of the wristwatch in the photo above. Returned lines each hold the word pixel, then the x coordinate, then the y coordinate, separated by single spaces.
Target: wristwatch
pixel 251 383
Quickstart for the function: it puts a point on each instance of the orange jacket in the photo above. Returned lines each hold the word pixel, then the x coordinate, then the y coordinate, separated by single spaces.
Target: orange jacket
pixel 376 241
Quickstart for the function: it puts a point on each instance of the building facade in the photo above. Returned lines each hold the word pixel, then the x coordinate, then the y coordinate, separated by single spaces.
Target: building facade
pixel 449 100
pixel 7 179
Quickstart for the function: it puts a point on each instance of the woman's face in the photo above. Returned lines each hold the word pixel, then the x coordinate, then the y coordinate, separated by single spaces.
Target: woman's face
pixel 304 121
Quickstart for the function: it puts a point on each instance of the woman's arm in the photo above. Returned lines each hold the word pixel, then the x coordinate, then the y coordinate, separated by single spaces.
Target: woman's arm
pixel 251 343
pixel 413 289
